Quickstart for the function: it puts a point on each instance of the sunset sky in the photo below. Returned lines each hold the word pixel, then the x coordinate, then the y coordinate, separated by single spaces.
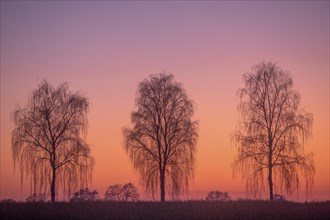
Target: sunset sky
pixel 104 49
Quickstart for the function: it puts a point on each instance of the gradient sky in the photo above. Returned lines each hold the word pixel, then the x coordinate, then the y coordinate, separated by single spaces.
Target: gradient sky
pixel 105 49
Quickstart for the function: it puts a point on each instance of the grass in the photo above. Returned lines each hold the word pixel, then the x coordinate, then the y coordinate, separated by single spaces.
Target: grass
pixel 167 210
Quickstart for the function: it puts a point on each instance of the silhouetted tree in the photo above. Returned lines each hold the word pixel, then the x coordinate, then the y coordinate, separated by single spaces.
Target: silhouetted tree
pixel 126 192
pixel 85 195
pixel 130 192
pixel 162 141
pixel 271 132
pixel 217 196
pixel 114 193
pixel 47 140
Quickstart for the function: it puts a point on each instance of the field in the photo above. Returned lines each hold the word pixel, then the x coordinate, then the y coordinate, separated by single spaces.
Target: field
pixel 167 210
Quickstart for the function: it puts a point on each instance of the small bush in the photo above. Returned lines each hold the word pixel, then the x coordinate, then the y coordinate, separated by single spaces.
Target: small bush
pixel 36 197
pixel 279 198
pixel 217 196
pixel 85 195
pixel 118 192
pixel 8 201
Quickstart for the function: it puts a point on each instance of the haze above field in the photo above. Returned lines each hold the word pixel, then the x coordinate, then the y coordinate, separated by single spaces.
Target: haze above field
pixel 105 49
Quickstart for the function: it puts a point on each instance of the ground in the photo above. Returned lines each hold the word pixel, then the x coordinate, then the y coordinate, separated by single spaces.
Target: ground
pixel 167 210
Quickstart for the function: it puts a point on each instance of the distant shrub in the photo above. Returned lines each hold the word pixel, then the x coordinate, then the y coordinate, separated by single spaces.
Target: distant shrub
pixel 85 195
pixel 217 196
pixel 36 197
pixel 113 193
pixel 280 198
pixel 8 201
pixel 118 192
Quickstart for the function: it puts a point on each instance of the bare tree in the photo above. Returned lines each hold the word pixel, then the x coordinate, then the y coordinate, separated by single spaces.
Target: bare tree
pixel 130 192
pixel 217 196
pixel 162 141
pixel 114 193
pixel 118 192
pixel 272 133
pixel 85 195
pixel 47 140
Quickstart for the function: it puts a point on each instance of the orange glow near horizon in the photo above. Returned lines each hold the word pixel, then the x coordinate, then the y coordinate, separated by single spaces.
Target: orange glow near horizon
pixel 104 49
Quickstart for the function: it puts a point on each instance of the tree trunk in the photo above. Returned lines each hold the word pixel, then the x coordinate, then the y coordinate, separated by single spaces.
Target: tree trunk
pixel 162 185
pixel 270 182
pixel 270 165
pixel 52 186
